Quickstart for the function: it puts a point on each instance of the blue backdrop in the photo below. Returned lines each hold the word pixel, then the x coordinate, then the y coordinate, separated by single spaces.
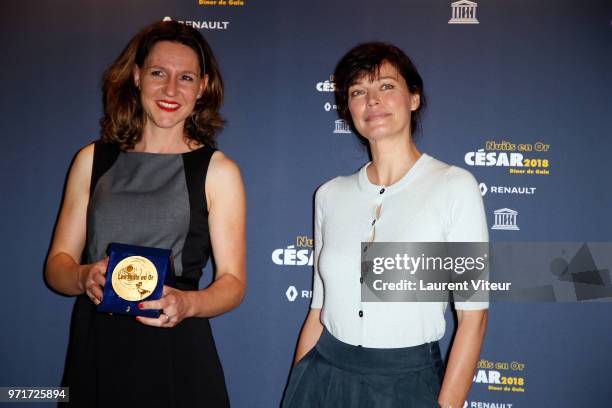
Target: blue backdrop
pixel 519 94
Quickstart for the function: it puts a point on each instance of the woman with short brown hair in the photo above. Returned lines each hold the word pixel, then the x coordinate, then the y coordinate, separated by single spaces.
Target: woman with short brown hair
pixel 355 353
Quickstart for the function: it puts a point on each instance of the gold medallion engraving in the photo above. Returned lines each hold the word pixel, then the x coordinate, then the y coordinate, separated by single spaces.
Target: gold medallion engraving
pixel 134 278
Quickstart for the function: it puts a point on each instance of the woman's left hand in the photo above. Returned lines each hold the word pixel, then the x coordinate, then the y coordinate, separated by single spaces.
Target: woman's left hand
pixel 174 304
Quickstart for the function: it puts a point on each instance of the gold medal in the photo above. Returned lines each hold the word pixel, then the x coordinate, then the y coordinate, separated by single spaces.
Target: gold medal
pixel 134 278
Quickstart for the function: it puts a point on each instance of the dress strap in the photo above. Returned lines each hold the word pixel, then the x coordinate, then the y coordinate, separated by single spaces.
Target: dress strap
pixel 105 155
pixel 196 166
pixel 197 247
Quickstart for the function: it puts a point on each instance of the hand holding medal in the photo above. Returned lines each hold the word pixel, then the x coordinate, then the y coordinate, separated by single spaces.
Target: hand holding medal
pixel 91 280
pixel 174 305
pixel 134 274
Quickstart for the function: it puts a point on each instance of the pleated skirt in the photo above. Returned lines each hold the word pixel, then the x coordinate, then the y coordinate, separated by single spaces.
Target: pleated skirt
pixel 336 374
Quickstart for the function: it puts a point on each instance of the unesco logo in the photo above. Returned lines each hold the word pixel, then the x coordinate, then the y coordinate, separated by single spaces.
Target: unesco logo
pixel 341 126
pixel 505 219
pixel 463 12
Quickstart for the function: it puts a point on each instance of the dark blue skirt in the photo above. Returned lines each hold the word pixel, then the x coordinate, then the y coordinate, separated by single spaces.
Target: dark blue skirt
pixel 336 374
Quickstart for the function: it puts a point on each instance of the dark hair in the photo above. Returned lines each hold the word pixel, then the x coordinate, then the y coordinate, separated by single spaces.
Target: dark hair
pixel 366 59
pixel 123 114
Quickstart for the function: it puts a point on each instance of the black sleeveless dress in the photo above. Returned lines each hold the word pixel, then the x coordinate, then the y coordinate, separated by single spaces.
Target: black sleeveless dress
pixel 152 200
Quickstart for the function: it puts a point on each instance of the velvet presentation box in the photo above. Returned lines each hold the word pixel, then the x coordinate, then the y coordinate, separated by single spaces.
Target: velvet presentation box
pixel 135 274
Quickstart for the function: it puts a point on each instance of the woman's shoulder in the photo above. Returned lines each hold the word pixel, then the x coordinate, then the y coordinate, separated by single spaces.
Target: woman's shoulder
pixel 460 181
pixel 87 150
pixel 453 176
pixel 223 171
pixel 337 185
pixel 97 151
pixel 83 159
pixel 79 178
pixel 222 162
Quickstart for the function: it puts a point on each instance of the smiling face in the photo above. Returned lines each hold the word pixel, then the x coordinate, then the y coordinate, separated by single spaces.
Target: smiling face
pixel 169 84
pixel 381 108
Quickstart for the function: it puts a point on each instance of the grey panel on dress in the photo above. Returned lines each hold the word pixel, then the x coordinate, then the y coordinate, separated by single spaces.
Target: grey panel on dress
pixel 143 197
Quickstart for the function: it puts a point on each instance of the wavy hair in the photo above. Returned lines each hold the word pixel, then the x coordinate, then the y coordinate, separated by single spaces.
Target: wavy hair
pixel 124 118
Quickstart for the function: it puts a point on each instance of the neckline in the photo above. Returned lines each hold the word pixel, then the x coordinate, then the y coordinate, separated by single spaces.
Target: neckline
pixel 131 152
pixel 367 185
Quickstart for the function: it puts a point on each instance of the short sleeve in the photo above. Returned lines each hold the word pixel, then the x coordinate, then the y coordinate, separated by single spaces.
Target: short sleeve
pixel 317 283
pixel 467 219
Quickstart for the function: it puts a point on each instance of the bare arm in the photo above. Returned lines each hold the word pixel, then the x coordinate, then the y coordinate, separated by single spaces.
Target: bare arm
pixel 312 328
pixel 227 223
pixel 464 356
pixel 63 271
pixel 226 202
pixel 311 331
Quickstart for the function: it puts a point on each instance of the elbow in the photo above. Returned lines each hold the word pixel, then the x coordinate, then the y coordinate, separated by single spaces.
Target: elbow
pixel 481 323
pixel 61 275
pixel 476 321
pixel 484 322
pixel 241 294
pixel 48 275
pixel 239 291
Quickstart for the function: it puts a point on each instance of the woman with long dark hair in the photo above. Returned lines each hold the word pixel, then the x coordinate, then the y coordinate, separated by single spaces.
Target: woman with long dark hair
pixel 154 179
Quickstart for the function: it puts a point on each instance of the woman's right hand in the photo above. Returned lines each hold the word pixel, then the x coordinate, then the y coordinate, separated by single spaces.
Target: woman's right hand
pixel 92 278
pixel 310 334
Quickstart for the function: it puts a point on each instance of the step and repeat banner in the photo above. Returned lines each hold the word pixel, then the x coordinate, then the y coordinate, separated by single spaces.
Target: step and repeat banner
pixel 520 94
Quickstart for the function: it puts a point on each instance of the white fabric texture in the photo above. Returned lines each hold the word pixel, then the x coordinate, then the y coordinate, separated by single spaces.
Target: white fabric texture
pixel 432 202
